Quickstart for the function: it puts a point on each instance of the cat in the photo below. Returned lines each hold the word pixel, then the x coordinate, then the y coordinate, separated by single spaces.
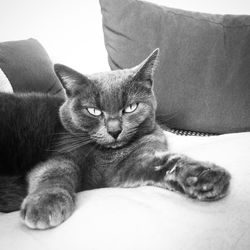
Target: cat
pixel 103 134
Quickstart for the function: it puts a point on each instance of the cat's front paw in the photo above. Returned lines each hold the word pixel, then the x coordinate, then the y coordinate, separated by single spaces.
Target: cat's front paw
pixel 201 180
pixel 47 208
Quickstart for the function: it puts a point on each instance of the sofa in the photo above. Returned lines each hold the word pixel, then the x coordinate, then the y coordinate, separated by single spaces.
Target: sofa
pixel 202 86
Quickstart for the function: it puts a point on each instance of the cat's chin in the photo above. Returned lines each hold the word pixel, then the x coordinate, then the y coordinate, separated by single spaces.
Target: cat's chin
pixel 114 145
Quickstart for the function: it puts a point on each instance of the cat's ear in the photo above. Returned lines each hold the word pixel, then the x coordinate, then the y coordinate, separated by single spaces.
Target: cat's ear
pixel 144 72
pixel 70 79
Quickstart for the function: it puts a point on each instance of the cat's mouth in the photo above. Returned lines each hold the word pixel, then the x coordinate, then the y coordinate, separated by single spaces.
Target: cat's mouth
pixel 115 145
pixel 111 142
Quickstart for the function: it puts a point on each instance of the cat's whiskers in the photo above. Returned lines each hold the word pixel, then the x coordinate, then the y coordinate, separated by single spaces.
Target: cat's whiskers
pixel 68 133
pixel 67 147
pixel 131 131
pixel 69 142
pixel 71 147
pixel 99 134
pixel 68 136
pixel 62 136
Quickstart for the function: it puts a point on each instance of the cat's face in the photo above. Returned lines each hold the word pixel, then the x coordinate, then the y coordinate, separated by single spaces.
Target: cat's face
pixel 111 108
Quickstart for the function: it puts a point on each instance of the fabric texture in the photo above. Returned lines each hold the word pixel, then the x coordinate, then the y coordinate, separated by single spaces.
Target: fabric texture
pixel 28 67
pixel 150 218
pixel 5 85
pixel 203 79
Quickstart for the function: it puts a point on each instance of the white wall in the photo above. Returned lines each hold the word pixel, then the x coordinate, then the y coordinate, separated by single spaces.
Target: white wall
pixel 71 30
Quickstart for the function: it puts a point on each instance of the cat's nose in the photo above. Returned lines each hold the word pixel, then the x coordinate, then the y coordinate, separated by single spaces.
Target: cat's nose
pixel 114 128
pixel 115 134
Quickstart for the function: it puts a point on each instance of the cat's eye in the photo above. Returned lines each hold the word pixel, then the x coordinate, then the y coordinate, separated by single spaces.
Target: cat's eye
pixel 131 108
pixel 94 111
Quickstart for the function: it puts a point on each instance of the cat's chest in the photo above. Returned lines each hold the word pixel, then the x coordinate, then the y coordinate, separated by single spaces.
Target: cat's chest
pixel 99 165
pixel 109 158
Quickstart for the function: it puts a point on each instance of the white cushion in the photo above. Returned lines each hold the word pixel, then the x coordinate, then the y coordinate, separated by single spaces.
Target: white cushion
pixel 150 218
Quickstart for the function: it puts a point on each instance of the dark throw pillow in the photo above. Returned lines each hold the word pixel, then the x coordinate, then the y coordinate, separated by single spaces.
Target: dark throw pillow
pixel 28 67
pixel 203 79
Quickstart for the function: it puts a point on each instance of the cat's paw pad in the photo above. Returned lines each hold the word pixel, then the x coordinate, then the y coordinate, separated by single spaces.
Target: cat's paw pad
pixel 47 209
pixel 203 181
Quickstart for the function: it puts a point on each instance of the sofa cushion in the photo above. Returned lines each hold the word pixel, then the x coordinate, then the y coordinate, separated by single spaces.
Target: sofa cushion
pixel 150 218
pixel 203 79
pixel 28 67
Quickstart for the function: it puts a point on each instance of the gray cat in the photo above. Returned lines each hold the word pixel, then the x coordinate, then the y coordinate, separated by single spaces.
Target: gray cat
pixel 104 135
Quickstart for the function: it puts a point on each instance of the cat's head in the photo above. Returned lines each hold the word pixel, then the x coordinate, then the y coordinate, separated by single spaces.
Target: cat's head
pixel 111 108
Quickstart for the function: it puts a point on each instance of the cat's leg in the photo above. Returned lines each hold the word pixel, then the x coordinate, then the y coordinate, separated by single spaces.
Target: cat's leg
pixel 51 193
pixel 196 179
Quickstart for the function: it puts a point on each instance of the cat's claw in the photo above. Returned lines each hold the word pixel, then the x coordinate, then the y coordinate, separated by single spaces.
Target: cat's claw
pixel 47 209
pixel 200 180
